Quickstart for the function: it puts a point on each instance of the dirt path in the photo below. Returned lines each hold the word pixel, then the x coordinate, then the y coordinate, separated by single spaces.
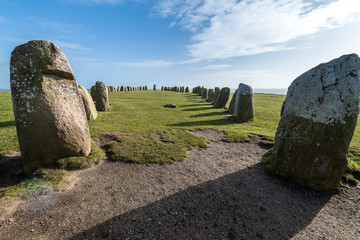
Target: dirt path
pixel 222 192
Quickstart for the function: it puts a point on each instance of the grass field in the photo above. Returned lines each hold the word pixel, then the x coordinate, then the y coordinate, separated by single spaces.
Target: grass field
pixel 139 119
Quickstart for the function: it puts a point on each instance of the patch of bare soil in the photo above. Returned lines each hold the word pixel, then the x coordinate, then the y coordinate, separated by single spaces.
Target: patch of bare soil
pixel 221 192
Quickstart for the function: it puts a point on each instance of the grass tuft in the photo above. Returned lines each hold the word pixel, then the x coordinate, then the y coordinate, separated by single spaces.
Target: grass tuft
pixel 82 162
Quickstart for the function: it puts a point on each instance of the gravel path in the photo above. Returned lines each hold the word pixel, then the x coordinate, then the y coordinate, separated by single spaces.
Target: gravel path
pixel 221 192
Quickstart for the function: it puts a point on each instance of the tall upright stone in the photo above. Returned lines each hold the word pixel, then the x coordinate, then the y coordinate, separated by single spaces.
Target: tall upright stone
pixel 318 119
pixel 244 104
pixel 204 93
pixel 216 94
pixel 154 87
pixel 232 102
pixel 187 89
pixel 93 92
pixel 49 112
pixel 89 105
pixel 102 97
pixel 222 98
pixel 210 95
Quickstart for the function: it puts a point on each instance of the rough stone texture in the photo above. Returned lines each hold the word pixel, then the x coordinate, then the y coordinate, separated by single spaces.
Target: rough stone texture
pixel 232 102
pixel 49 112
pixel 222 98
pixel 210 94
pixel 102 97
pixel 204 93
pixel 244 104
pixel 93 92
pixel 89 105
pixel 317 123
pixel 216 94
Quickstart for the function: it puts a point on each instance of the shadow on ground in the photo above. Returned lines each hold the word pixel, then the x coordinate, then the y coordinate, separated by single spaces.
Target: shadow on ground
pixel 7 124
pixel 9 166
pixel 215 122
pixel 210 114
pixel 248 204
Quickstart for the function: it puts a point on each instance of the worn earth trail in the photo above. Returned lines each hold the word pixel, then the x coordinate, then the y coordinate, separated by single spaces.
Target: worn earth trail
pixel 221 192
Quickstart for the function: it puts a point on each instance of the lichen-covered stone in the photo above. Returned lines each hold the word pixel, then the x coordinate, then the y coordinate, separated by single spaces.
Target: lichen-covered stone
pixel 244 104
pixel 317 123
pixel 89 105
pixel 232 102
pixel 210 95
pixel 222 98
pixel 102 97
pixel 49 112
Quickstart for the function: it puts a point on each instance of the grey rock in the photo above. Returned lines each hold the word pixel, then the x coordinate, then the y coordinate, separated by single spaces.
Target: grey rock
pixel 317 123
pixel 102 97
pixel 89 105
pixel 244 104
pixel 222 98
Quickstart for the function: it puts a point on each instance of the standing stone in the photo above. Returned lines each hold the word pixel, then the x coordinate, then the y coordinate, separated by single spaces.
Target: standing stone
pixel 89 105
pixel 318 119
pixel 121 88
pixel 216 94
pixel 222 98
pixel 210 95
pixel 244 104
pixel 154 87
pixel 93 92
pixel 49 112
pixel 118 88
pixel 232 102
pixel 102 97
pixel 187 89
pixel 204 93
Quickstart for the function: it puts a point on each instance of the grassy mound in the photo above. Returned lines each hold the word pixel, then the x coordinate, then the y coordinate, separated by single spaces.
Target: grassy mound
pixel 147 147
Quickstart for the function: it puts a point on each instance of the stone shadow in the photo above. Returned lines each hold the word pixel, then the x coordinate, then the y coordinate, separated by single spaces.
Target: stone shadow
pixel 215 122
pixel 210 114
pixel 9 169
pixel 7 124
pixel 248 204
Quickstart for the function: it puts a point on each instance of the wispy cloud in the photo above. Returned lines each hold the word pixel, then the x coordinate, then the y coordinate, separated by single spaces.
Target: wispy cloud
pixel 70 45
pixel 148 63
pixel 225 29
pixel 211 67
pixel 2 19
pixel 14 40
pixel 58 27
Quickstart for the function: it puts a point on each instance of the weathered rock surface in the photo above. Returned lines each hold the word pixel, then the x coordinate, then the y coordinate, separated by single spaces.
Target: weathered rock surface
pixel 232 102
pixel 317 123
pixel 89 105
pixel 222 98
pixel 244 104
pixel 102 97
pixel 204 93
pixel 49 112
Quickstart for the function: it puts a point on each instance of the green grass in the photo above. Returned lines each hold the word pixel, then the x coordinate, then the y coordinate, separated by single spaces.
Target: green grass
pixel 167 146
pixel 138 121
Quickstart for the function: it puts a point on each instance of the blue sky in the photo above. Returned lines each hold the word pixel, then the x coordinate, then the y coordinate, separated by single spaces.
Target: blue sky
pixel 263 43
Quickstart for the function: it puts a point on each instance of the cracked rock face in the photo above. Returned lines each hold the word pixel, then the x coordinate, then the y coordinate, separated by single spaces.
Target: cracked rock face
pixel 49 112
pixel 318 119
pixel 244 104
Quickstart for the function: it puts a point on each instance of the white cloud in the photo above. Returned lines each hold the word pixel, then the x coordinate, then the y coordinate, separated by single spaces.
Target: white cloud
pixel 149 63
pixel 58 27
pixel 2 19
pixel 225 29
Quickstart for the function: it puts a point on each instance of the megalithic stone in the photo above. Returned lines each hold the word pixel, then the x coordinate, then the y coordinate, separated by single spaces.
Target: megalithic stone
pixel 244 104
pixel 318 119
pixel 102 97
pixel 216 94
pixel 49 111
pixel 222 98
pixel 89 105
pixel 232 102
pixel 93 92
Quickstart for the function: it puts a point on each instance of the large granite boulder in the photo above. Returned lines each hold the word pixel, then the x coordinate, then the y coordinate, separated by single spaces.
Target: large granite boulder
pixel 216 94
pixel 89 105
pixel 232 102
pixel 49 112
pixel 102 97
pixel 244 104
pixel 318 119
pixel 222 98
